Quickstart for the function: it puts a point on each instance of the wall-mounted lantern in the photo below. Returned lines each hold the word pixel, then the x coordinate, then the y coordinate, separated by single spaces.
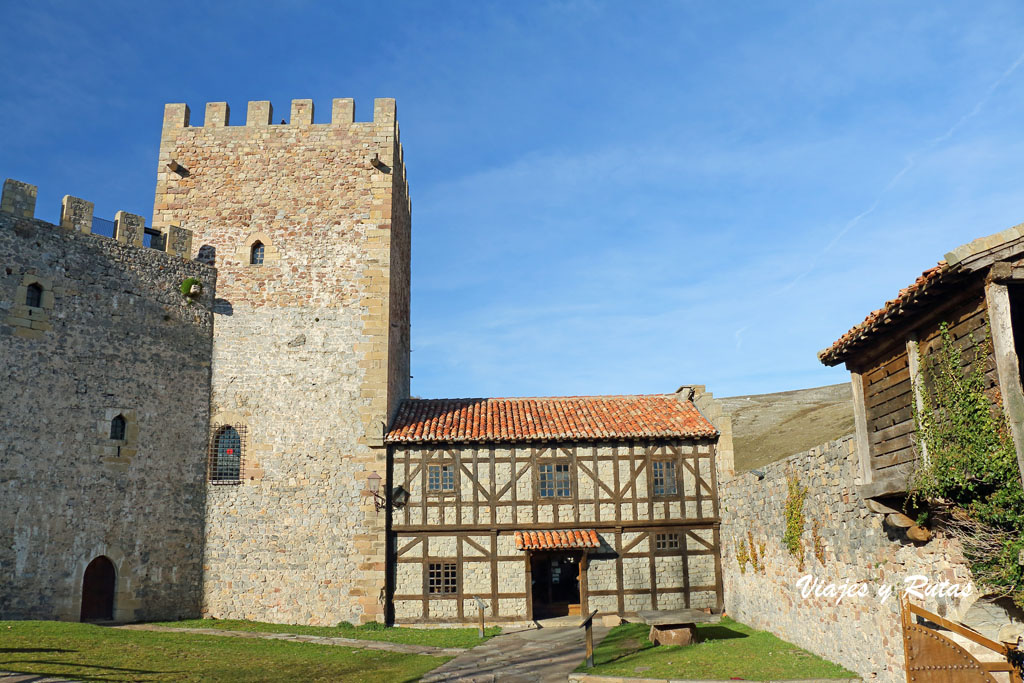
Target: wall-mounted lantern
pixel 399 496
pixel 373 481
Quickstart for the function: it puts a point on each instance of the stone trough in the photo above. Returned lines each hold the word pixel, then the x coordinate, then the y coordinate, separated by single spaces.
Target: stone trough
pixel 675 627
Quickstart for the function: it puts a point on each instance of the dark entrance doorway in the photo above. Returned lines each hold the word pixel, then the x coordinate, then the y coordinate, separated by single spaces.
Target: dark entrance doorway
pixel 98 590
pixel 556 584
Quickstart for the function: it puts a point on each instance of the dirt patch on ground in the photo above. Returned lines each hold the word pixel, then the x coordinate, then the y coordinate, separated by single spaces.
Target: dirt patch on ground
pixel 769 427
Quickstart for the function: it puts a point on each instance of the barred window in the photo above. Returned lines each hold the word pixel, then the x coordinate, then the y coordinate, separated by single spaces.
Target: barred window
pixel 117 428
pixel 554 481
pixel 666 541
pixel 664 477
pixel 442 578
pixel 225 461
pixel 440 478
pixel 256 253
pixel 34 295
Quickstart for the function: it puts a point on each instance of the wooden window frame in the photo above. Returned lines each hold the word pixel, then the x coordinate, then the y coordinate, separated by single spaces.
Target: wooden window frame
pixel 442 492
pixel 254 259
pixel 443 581
pixel 34 291
pixel 666 540
pixel 674 479
pixel 118 427
pixel 569 495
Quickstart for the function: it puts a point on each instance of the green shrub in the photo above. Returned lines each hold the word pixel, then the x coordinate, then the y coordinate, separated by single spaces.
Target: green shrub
pixel 969 468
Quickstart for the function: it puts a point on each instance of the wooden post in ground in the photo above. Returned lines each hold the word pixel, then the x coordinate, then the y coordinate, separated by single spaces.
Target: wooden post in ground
pixel 481 606
pixel 588 624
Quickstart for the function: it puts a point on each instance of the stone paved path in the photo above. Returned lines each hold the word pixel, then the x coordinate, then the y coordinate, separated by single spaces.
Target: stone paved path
pixel 320 640
pixel 546 654
pixel 8 677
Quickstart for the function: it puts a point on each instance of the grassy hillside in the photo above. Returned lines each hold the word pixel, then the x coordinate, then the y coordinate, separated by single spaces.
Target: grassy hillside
pixel 768 427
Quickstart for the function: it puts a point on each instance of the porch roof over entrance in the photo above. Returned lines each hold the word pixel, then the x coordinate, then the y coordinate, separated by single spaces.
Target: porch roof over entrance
pixel 557 540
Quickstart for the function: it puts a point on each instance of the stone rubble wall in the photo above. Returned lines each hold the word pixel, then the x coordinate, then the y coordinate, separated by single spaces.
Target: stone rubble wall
pixel 862 634
pixel 114 336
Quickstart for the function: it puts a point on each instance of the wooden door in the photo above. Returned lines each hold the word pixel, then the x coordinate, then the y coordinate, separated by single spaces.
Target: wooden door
pixel 98 586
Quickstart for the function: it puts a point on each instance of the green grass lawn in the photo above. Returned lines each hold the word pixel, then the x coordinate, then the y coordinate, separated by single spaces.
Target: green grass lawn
pixel 437 637
pixel 723 651
pixel 94 653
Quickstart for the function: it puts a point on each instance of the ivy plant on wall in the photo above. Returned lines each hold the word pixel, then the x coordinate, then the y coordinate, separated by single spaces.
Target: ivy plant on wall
pixel 794 517
pixel 970 470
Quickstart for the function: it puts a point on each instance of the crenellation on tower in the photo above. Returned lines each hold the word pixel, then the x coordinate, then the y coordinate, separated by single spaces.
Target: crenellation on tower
pixel 302 113
pixel 217 115
pixel 19 198
pixel 259 113
pixel 76 214
pixel 343 111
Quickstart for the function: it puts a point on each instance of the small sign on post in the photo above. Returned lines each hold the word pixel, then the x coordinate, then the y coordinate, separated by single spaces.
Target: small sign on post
pixel 481 606
pixel 588 624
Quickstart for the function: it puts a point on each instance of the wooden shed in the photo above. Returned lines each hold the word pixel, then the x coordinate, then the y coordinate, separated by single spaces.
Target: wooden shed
pixel 977 290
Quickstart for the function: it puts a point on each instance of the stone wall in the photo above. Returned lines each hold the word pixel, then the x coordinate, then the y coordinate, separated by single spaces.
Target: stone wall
pixel 311 346
pixel 861 633
pixel 112 336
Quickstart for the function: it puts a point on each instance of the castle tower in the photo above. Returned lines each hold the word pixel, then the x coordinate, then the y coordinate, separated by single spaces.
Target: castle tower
pixel 308 225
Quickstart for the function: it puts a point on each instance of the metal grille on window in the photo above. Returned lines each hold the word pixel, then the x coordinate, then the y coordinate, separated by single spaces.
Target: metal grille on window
pixel 440 478
pixel 34 295
pixel 442 577
pixel 256 254
pixel 226 457
pixel 664 478
pixel 666 541
pixel 554 481
pixel 117 428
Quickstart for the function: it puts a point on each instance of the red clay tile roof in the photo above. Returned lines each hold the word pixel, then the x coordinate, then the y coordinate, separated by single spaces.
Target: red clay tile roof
pixel 553 418
pixel 548 540
pixel 966 258
pixel 835 354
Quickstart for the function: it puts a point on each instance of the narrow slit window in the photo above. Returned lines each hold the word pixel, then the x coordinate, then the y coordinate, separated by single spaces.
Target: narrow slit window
pixel 664 477
pixel 442 578
pixel 554 481
pixel 117 428
pixel 256 253
pixel 34 295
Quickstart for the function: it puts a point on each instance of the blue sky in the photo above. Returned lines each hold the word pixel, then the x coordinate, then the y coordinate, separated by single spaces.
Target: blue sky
pixel 607 197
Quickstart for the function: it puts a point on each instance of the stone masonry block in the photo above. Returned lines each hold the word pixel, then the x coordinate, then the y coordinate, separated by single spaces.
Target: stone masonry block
pixel 76 214
pixel 19 199
pixel 129 228
pixel 302 112
pixel 260 113
pixel 343 111
pixel 217 114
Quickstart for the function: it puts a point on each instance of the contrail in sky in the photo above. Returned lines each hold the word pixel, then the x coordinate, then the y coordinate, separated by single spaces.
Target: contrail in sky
pixel 911 161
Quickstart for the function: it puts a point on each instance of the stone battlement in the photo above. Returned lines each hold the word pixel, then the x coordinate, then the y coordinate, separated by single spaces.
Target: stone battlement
pixel 19 199
pixel 261 113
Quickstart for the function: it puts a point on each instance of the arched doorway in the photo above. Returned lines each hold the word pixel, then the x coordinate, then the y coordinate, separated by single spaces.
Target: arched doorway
pixel 98 590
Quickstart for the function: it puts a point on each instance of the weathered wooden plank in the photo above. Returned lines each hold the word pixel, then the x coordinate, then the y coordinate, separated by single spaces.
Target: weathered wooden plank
pixel 896 389
pixel 896 430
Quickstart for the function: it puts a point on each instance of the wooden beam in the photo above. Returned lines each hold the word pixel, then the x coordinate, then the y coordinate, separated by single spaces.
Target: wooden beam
pixel 860 422
pixel 997 297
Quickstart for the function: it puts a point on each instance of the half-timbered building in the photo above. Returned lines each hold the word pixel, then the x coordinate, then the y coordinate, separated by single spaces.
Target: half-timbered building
pixel 977 294
pixel 552 506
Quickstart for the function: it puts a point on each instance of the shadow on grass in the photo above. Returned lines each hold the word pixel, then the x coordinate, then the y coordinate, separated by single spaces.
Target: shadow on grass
pixel 718 633
pixel 25 650
pixel 73 670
